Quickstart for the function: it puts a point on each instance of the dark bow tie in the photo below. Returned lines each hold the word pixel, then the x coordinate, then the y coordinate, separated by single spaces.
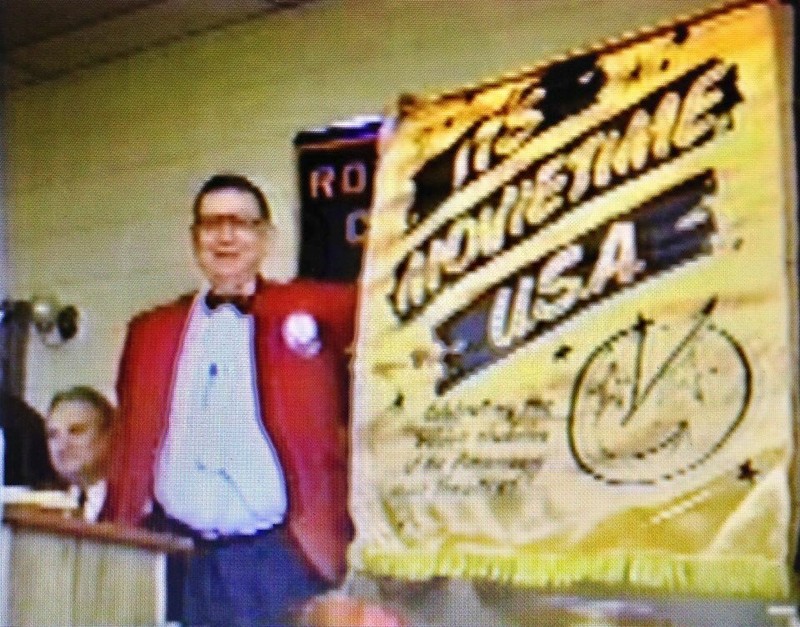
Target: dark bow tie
pixel 243 303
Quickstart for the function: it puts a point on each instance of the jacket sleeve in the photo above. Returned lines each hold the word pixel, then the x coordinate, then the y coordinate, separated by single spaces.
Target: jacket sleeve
pixel 143 384
pixel 308 416
pixel 339 301
pixel 115 508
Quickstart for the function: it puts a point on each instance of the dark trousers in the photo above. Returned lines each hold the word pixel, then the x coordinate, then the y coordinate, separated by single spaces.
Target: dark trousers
pixel 240 580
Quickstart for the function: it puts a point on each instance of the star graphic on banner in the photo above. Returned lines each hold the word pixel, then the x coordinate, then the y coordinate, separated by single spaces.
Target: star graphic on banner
pixel 562 352
pixel 747 472
pixel 641 324
pixel 636 73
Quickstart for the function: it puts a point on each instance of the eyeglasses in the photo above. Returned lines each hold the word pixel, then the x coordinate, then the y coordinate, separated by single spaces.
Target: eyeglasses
pixel 215 223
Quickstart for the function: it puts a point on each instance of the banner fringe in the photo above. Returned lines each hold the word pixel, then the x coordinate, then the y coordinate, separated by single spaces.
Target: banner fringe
pixel 740 576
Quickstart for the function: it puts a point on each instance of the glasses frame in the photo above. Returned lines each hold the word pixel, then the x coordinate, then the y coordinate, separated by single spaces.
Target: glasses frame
pixel 212 225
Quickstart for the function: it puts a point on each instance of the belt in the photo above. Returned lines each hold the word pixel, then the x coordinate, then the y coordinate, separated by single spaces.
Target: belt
pixel 159 520
pixel 212 539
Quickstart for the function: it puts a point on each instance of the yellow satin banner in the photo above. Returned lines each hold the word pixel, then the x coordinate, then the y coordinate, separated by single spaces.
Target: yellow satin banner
pixel 575 359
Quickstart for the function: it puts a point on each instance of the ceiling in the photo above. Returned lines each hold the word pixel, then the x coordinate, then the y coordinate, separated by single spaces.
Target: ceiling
pixel 42 40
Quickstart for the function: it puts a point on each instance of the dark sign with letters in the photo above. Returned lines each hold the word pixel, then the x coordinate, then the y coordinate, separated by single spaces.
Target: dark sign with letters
pixel 336 168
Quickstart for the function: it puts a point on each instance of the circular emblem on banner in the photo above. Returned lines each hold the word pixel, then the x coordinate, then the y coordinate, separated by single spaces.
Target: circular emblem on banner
pixel 650 404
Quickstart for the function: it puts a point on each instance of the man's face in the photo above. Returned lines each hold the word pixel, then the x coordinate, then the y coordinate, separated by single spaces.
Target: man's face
pixel 78 446
pixel 230 239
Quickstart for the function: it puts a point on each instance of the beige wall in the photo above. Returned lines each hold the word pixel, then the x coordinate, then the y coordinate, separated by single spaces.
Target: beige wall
pixel 102 164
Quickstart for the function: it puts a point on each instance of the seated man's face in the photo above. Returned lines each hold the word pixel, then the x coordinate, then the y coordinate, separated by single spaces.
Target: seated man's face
pixel 78 446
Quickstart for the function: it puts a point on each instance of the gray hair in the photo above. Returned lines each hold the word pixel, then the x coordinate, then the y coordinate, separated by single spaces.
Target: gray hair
pixel 90 396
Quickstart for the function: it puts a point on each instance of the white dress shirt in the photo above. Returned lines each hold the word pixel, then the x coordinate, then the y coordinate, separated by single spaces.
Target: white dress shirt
pixel 95 498
pixel 218 471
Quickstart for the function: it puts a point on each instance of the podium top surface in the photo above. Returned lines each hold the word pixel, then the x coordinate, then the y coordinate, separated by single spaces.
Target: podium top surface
pixel 64 523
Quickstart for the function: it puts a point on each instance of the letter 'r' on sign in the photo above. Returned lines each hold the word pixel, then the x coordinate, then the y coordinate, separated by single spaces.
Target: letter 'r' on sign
pixel 352 179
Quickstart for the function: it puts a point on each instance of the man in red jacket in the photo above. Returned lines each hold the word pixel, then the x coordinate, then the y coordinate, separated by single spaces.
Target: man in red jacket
pixel 232 425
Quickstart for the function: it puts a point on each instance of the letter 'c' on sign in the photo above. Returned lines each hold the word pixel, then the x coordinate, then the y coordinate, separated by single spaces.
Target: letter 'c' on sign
pixel 355 226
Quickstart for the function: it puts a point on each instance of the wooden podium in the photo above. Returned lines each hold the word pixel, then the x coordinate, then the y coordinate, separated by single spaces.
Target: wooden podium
pixel 59 570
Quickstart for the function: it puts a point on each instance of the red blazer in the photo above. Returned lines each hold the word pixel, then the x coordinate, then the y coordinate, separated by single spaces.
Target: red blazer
pixel 303 402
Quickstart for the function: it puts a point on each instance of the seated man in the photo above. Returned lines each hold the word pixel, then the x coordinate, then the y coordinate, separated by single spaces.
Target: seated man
pixel 26 461
pixel 78 427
